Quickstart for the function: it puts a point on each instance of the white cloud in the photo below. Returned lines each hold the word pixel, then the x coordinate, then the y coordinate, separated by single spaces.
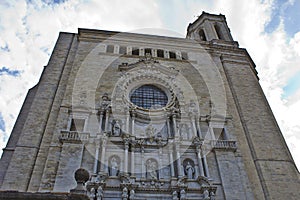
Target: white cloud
pixel 31 29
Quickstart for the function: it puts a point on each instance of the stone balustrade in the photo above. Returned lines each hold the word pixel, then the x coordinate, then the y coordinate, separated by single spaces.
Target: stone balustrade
pixel 224 144
pixel 74 136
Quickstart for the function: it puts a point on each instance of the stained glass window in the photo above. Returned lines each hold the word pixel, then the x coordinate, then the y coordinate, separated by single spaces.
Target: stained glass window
pixel 149 97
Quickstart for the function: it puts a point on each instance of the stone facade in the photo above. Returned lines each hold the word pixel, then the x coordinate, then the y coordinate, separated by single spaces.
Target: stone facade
pixel 137 116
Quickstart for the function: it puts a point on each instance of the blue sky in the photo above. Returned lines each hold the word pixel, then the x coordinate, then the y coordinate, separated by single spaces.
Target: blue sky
pixel 2 123
pixel 269 30
pixel 9 72
pixel 289 13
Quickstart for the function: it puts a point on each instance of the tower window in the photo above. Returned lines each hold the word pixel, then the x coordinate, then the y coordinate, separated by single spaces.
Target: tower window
pixel 219 32
pixel 172 54
pixel 135 51
pixel 149 96
pixel 110 49
pixel 160 53
pixel 123 50
pixel 184 55
pixel 148 51
pixel 202 35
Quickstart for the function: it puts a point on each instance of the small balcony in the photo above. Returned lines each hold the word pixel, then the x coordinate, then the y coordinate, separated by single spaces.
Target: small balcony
pixel 74 136
pixel 224 145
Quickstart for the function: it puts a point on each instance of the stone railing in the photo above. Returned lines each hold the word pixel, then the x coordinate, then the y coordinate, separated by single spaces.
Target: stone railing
pixel 224 144
pixel 74 136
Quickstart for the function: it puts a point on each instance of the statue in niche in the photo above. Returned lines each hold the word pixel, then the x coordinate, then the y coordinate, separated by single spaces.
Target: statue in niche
pixel 151 169
pixel 189 170
pixel 114 166
pixel 125 193
pixel 99 193
pixel 116 128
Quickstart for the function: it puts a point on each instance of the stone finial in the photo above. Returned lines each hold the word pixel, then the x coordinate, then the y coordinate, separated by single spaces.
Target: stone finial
pixel 81 176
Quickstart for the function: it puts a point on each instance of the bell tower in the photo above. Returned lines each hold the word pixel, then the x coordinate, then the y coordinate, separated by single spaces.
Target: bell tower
pixel 209 27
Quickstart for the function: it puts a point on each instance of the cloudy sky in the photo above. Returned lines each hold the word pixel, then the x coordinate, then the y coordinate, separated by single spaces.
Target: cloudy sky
pixel 268 29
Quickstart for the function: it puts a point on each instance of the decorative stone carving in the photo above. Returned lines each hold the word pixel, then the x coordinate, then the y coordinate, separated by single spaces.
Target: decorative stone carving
pixel 105 101
pixel 150 132
pixel 174 195
pixel 125 193
pixel 206 195
pixel 182 194
pixel 99 193
pixel 92 194
pixel 131 195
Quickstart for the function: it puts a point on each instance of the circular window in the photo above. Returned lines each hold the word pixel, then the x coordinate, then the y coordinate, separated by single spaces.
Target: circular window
pixel 149 97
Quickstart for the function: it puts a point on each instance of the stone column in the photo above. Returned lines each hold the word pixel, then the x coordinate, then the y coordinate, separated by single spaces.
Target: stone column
pixel 127 121
pixel 175 125
pixel 126 146
pixel 171 161
pixel 104 140
pixel 100 121
pixel 160 172
pixel 205 165
pixel 106 119
pixel 179 168
pixel 169 127
pixel 143 162
pixel 198 127
pixel 132 160
pixel 194 125
pixel 200 165
pixel 132 123
pixel 96 158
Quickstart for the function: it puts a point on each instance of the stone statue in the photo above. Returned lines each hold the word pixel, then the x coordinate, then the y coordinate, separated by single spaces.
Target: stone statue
pixel 150 131
pixel 151 169
pixel 212 196
pixel 114 167
pixel 189 170
pixel 182 195
pixel 125 193
pixel 206 195
pixel 116 130
pixel 99 193
pixel 92 194
pixel 131 196
pixel 174 195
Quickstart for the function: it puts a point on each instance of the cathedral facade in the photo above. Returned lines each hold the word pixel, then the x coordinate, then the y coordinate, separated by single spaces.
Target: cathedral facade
pixel 134 116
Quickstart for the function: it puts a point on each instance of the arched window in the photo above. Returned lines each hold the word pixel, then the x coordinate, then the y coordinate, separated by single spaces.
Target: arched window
pixel 219 32
pixel 149 96
pixel 202 35
pixel 160 53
